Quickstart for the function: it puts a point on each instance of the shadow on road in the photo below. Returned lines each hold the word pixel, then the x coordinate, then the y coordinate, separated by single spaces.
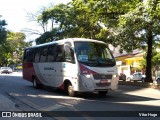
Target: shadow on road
pixel 125 98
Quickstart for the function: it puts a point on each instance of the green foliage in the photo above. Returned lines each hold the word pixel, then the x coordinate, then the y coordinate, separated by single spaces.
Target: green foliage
pixel 128 23
pixel 139 26
pixel 16 45
pixel 134 26
pixel 86 18
pixel 156 59
pixel 11 46
pixel 142 64
pixel 75 20
pixel 3 32
pixel 3 43
pixel 48 37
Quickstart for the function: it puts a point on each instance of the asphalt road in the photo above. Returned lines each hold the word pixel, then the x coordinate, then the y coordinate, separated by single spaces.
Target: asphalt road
pixel 116 105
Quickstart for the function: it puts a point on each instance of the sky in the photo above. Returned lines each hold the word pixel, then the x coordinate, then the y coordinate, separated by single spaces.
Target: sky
pixel 15 12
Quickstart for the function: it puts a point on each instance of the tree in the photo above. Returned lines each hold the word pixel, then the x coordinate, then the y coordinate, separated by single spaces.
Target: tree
pixel 3 32
pixel 155 59
pixel 132 23
pixel 12 45
pixel 16 44
pixel 35 19
pixel 3 43
pixel 87 18
pixel 128 23
pixel 75 20
pixel 141 25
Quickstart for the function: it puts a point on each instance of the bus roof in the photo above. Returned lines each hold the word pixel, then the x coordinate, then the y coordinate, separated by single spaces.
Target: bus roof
pixel 67 40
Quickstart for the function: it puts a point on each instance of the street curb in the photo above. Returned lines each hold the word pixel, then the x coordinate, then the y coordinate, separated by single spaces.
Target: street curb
pixel 147 85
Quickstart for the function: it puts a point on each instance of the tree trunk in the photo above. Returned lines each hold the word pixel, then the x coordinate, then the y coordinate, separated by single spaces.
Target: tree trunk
pixel 149 57
pixel 150 43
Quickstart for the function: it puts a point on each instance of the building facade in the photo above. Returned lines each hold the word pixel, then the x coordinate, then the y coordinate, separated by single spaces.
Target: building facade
pixel 128 63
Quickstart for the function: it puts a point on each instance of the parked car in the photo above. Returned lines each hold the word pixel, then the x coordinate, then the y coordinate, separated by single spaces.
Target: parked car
pixel 137 76
pixel 6 70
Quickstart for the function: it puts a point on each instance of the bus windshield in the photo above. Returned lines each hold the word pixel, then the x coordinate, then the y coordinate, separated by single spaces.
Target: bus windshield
pixel 94 54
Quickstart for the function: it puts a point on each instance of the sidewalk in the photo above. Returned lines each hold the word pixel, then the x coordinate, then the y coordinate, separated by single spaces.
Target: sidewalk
pixel 141 84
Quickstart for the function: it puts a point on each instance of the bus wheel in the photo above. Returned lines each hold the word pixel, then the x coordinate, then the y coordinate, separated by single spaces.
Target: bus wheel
pixel 102 93
pixel 36 85
pixel 70 90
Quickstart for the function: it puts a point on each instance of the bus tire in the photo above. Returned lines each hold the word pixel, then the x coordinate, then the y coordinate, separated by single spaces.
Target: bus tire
pixel 70 90
pixel 36 85
pixel 102 93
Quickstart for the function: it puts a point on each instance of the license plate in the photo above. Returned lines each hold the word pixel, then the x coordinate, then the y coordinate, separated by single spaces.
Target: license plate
pixel 103 81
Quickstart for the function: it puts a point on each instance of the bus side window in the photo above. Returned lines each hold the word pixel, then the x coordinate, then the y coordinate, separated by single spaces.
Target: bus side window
pixel 69 54
pixel 43 54
pixel 37 54
pixel 59 53
pixel 51 53
pixel 25 58
pixel 31 55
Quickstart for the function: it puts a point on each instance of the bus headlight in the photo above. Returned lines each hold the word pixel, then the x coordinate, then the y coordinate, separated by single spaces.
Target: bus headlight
pixel 115 77
pixel 87 75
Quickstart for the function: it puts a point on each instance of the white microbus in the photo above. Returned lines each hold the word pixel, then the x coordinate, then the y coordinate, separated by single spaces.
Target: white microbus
pixel 73 64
